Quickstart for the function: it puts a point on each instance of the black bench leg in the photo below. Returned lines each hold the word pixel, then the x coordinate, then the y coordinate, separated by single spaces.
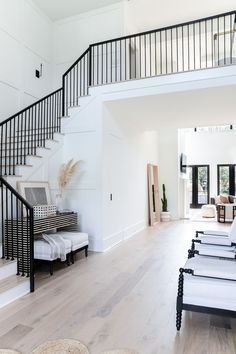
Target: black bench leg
pixel 68 259
pixel 178 320
pixel 72 257
pixel 51 268
pixel 86 251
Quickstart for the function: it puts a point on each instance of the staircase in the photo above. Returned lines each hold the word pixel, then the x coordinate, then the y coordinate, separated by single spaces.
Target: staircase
pixel 11 287
pixel 26 137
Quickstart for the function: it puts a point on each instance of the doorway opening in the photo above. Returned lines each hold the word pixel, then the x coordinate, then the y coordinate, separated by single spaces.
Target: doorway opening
pixel 199 185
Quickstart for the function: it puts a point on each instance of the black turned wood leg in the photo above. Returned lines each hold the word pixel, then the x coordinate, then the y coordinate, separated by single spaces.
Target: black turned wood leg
pixel 18 267
pixel 72 257
pixel 51 268
pixel 86 251
pixel 179 301
pixel 190 254
pixel 178 320
pixel 68 259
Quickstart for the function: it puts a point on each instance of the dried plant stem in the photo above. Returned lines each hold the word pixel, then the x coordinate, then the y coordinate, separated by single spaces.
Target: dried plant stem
pixel 67 171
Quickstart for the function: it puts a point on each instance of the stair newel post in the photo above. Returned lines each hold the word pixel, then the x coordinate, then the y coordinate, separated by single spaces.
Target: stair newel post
pixel 90 66
pixel 63 95
pixel 31 240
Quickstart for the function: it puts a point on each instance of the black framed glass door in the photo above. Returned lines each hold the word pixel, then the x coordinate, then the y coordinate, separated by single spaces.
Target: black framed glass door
pixel 199 177
pixel 226 179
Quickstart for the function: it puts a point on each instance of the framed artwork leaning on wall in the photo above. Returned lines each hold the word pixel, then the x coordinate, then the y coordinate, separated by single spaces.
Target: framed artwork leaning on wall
pixel 35 193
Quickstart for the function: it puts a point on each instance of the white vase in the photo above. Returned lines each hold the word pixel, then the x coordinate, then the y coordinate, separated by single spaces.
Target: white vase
pixel 165 216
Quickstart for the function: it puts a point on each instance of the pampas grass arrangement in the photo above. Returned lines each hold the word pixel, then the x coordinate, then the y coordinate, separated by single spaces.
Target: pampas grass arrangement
pixel 67 171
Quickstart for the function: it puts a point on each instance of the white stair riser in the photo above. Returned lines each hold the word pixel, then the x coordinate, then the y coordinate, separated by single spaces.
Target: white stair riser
pixel 8 269
pixel 15 293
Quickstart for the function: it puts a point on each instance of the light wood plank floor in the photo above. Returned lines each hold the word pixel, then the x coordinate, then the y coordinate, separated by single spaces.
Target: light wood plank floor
pixel 123 298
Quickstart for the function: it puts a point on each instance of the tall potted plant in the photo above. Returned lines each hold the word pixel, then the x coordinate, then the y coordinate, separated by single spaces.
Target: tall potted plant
pixel 165 214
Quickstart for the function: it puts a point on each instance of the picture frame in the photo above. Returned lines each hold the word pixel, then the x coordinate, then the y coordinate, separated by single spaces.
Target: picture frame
pixel 35 193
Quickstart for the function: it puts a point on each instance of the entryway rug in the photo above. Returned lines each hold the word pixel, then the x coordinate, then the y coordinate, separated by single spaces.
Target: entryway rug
pixel 61 346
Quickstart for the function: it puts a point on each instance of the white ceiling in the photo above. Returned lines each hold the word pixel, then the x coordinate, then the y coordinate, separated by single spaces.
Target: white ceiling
pixel 212 106
pixel 59 9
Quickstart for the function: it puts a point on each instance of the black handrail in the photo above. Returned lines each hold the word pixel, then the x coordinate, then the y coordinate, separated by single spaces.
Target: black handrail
pixel 187 46
pixel 17 218
pixel 192 45
pixel 75 82
pixel 30 106
pixel 27 130
pixel 165 28
pixel 76 62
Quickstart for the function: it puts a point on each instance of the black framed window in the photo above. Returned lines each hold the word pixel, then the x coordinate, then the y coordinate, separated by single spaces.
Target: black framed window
pixel 226 179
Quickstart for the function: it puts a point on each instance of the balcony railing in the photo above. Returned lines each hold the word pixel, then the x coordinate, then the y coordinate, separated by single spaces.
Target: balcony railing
pixel 194 45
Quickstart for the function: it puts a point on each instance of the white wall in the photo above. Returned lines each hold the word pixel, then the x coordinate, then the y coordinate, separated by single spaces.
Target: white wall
pixel 211 149
pixel 144 104
pixel 73 35
pixel 143 15
pixel 25 40
pixel 168 167
pixel 126 153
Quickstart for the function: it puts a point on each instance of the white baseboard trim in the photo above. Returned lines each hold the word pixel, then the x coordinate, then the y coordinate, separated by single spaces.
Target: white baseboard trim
pixel 95 245
pixel 112 240
pixel 134 229
pixel 15 293
pixel 128 232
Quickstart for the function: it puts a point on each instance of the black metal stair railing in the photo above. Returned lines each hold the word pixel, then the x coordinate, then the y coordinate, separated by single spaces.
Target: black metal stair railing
pixel 75 81
pixel 16 229
pixel 194 45
pixel 25 131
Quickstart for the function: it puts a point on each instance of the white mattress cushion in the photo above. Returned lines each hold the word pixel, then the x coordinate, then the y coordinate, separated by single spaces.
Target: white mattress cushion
pixel 217 253
pixel 232 232
pixel 79 245
pixel 68 245
pixel 42 250
pixel 76 238
pixel 215 250
pixel 212 267
pixel 215 240
pixel 216 233
pixel 205 246
pixel 208 292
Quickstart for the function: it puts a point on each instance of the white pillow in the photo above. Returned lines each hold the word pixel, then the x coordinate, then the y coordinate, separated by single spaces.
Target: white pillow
pixel 217 199
pixel 232 232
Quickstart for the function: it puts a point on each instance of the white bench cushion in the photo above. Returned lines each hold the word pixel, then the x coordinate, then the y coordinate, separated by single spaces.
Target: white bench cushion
pixel 209 292
pixel 215 240
pixel 205 266
pixel 78 239
pixel 43 251
pixel 216 251
pixel 216 233
pixel 232 232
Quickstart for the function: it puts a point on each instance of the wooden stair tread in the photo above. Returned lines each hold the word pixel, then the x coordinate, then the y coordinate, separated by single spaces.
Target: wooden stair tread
pixel 17 165
pixel 15 176
pixel 15 156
